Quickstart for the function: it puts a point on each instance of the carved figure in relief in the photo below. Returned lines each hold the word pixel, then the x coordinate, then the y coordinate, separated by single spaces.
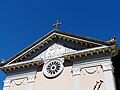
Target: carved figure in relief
pixel 55 50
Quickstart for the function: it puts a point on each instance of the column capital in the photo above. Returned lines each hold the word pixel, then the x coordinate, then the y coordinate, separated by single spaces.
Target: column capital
pixel 107 66
pixel 7 83
pixel 31 79
pixel 75 71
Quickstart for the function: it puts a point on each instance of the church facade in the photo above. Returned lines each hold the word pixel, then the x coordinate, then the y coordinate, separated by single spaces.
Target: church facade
pixel 62 61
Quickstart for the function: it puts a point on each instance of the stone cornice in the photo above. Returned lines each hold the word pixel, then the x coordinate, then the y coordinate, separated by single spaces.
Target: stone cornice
pixel 56 35
pixel 50 39
pixel 22 65
pixel 111 50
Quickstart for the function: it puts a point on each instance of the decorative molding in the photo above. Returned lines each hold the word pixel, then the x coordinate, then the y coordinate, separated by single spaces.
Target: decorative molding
pixel 19 81
pixel 31 79
pixel 75 71
pixel 7 83
pixel 51 59
pixel 23 74
pixel 22 64
pixel 69 56
pixel 93 71
pixel 107 66
pixel 56 35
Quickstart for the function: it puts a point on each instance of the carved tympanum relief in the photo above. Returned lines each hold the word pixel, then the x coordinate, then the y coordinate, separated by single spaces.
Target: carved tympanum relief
pixel 92 78
pixel 56 50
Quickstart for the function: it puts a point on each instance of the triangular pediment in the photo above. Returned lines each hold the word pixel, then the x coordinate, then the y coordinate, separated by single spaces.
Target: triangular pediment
pixel 58 49
pixel 54 44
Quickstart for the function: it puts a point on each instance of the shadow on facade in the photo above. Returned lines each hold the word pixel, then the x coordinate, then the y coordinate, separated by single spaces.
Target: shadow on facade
pixel 116 64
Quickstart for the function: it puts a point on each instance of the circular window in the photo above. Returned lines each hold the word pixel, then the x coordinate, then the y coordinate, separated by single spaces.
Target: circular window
pixel 53 68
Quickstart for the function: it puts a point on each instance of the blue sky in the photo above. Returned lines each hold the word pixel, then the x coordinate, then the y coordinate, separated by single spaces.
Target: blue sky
pixel 24 21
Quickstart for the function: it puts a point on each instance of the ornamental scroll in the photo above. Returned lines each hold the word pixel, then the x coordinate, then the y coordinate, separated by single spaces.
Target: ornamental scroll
pixel 91 78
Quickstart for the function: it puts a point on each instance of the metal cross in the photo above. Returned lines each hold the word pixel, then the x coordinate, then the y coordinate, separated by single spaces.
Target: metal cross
pixel 57 24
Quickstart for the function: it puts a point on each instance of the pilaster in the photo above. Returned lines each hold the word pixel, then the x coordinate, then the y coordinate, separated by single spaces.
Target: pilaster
pixel 6 84
pixel 109 79
pixel 76 78
pixel 31 81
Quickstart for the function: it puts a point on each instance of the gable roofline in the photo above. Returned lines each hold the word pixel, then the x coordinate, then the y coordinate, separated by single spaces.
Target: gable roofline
pixel 62 33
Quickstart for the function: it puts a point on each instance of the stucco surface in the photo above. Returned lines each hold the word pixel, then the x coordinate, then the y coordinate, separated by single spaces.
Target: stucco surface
pixel 89 78
pixel 19 84
pixel 62 82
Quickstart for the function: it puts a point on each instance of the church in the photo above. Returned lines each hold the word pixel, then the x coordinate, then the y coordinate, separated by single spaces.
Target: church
pixel 64 61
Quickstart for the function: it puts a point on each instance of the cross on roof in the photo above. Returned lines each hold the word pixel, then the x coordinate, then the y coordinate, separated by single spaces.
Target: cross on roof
pixel 57 24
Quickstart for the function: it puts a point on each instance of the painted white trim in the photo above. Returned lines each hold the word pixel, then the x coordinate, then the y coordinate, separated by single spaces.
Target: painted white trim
pixel 80 39
pixel 86 50
pixel 76 78
pixel 23 62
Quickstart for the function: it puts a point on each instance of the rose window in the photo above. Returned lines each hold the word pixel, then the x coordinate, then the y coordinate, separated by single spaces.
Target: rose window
pixel 53 68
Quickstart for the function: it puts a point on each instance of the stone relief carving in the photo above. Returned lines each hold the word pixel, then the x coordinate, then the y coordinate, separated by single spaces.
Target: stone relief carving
pixel 55 50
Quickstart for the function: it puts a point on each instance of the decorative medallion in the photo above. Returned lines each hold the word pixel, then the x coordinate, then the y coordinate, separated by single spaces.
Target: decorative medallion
pixel 53 68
